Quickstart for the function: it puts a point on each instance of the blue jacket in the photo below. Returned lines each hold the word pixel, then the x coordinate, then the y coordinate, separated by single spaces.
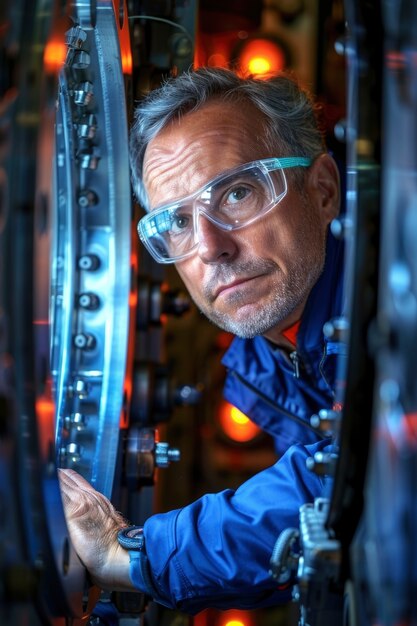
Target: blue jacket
pixel 261 379
pixel 215 552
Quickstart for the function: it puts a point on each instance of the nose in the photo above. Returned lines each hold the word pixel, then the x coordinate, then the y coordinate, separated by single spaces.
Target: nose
pixel 215 245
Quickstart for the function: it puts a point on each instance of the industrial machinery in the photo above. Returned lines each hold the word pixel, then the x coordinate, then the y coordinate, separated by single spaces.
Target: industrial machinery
pixel 83 381
pixel 354 554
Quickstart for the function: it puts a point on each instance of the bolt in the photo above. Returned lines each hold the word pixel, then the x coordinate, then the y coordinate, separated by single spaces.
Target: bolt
pixel 89 262
pixel 88 301
pixel 87 198
pixel 80 388
pixel 83 93
pixel 84 341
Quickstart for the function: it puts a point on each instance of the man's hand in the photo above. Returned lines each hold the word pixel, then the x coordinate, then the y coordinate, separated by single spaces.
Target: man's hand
pixel 93 524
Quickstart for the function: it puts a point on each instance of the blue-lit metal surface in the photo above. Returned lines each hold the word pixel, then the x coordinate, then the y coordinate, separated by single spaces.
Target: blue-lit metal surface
pixel 91 254
pixel 51 296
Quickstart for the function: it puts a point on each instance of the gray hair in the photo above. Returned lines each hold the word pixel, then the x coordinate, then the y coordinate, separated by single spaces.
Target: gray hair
pixel 290 114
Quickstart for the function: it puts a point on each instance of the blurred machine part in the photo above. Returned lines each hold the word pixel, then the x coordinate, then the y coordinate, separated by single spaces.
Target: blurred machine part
pixel 361 228
pixel 35 552
pixel 385 549
pixel 329 581
pixel 364 547
pixel 163 34
pixel 69 278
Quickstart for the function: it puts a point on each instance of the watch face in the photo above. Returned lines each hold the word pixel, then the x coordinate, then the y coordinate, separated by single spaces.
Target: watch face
pixel 134 532
pixel 131 538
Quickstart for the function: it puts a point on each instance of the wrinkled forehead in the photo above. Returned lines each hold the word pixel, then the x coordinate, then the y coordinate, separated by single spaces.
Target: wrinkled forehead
pixel 201 145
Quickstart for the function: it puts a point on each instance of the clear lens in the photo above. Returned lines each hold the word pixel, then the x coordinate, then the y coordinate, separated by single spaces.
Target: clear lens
pixel 236 198
pixel 230 201
pixel 168 232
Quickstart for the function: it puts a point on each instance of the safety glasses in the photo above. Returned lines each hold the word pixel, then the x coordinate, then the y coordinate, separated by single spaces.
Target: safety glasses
pixel 232 200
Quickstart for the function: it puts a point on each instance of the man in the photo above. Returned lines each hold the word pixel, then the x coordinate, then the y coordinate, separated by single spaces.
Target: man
pixel 239 191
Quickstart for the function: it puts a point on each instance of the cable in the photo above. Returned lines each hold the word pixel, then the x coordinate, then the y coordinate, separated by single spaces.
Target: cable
pixel 164 20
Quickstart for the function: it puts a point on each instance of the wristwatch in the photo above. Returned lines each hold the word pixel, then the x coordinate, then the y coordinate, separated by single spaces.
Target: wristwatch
pixel 131 538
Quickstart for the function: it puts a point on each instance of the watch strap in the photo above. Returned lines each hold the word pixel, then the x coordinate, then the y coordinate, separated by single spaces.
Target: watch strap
pixel 131 538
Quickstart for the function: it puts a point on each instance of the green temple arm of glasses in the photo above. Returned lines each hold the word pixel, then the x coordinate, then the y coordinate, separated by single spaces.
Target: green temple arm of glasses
pixel 286 162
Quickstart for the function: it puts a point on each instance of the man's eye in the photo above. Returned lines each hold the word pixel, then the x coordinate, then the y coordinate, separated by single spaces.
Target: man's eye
pixel 179 223
pixel 237 194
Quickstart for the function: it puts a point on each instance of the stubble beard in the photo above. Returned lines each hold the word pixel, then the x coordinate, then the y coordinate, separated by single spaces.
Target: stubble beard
pixel 288 293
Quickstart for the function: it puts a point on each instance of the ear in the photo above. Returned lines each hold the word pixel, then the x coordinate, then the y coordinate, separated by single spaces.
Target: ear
pixel 324 185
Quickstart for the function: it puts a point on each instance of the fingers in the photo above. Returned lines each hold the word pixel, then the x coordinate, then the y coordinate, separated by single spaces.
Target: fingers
pixel 75 491
pixel 70 478
pixel 81 499
pixel 93 524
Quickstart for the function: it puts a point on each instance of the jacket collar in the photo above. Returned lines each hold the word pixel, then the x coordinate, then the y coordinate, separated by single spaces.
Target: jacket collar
pixel 323 304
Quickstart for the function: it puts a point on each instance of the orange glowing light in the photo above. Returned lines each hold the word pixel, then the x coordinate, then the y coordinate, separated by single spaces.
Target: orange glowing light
pixel 127 63
pixel 261 56
pixel 54 55
pixel 124 36
pixel 45 412
pixel 133 299
pixel 134 263
pixel 236 425
pixel 237 618
pixel 259 65
pixel 45 408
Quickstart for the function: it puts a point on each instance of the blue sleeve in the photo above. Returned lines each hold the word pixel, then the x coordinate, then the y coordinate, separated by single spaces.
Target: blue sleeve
pixel 215 552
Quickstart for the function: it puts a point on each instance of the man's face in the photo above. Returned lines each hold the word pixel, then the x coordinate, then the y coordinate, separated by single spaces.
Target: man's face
pixel 254 280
